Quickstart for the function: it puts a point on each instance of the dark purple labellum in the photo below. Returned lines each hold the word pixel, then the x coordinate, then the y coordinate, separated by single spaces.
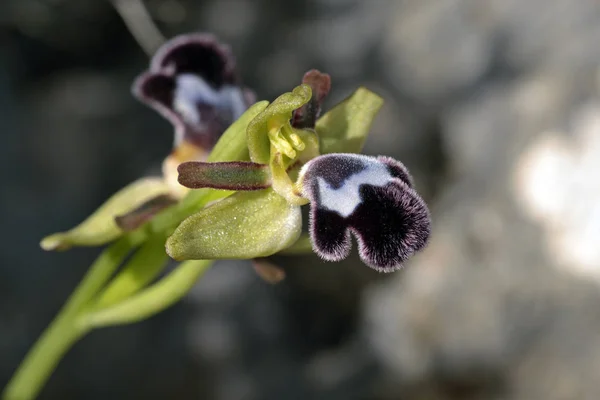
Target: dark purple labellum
pixel 193 83
pixel 371 198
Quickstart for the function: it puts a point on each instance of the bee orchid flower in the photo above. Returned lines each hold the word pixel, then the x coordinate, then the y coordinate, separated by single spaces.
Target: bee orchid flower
pixel 232 187
pixel 371 198
pixel 192 81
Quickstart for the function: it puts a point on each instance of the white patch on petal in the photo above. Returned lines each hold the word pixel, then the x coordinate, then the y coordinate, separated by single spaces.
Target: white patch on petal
pixel 346 198
pixel 191 90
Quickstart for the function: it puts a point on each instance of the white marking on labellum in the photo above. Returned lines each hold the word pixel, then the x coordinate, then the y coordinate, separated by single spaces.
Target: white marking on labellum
pixel 191 90
pixel 235 100
pixel 346 198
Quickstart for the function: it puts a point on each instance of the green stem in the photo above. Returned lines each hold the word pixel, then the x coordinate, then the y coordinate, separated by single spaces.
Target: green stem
pixel 64 331
pixel 71 322
pixel 68 326
pixel 41 360
pixel 140 269
pixel 151 300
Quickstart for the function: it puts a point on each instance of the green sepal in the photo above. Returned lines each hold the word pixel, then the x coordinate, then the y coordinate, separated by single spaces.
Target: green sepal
pixel 344 128
pixel 232 175
pixel 100 227
pixel 244 225
pixel 271 120
pixel 141 269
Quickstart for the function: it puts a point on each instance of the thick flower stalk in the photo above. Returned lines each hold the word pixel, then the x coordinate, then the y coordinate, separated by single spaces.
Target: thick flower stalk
pixel 232 187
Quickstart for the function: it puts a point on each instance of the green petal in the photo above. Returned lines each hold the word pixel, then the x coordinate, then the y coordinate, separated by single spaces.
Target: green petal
pixel 344 128
pixel 273 117
pixel 100 227
pixel 232 175
pixel 244 225
pixel 232 145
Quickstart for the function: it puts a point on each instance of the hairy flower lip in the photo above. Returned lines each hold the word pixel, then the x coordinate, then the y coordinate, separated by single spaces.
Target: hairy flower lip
pixel 193 83
pixel 370 198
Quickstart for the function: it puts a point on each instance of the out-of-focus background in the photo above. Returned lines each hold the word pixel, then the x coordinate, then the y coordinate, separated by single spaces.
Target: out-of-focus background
pixel 494 105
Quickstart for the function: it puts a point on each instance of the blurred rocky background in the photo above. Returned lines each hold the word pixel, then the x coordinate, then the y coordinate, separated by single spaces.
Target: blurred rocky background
pixel 494 105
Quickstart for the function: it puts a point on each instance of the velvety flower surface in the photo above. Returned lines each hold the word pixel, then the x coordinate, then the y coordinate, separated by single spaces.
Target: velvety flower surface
pixel 370 197
pixel 193 83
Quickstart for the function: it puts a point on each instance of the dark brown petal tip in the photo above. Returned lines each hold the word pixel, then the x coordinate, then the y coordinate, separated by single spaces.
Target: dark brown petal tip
pixel 370 198
pixel 136 218
pixel 320 84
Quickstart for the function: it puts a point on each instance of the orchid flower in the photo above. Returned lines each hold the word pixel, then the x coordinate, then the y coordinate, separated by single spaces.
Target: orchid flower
pixel 232 187
pixel 193 83
pixel 372 198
